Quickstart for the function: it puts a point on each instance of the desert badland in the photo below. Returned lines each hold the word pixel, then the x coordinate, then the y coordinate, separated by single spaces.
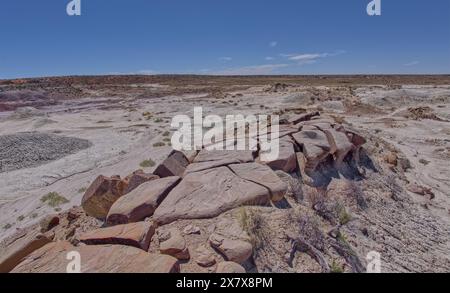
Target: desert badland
pixel 86 165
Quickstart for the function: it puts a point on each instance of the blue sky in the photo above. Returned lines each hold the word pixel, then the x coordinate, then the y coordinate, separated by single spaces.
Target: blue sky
pixel 37 38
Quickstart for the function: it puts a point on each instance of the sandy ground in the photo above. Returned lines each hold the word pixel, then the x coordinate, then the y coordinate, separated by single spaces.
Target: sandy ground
pixel 124 123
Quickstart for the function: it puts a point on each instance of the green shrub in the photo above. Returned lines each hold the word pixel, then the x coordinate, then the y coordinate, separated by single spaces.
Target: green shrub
pixel 53 199
pixel 336 268
pixel 147 163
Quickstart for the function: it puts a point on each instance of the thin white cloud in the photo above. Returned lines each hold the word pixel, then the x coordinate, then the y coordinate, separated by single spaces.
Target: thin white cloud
pixel 264 69
pixel 268 58
pixel 225 59
pixel 305 57
pixel 273 44
pixel 412 63
pixel 309 58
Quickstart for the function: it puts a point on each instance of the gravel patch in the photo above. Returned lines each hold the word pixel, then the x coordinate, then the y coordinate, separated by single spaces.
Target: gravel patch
pixel 26 150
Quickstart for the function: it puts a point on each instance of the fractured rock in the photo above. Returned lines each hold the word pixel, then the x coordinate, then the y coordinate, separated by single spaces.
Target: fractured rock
pixel 52 258
pixel 138 235
pixel 175 245
pixel 303 117
pixel 190 155
pixel 21 246
pixel 263 176
pixel 286 160
pixel 174 165
pixel 101 195
pixel 73 223
pixel 209 193
pixel 340 145
pixel 219 155
pixel 196 167
pixel 233 250
pixel 141 202
pixel 315 147
pixel 137 178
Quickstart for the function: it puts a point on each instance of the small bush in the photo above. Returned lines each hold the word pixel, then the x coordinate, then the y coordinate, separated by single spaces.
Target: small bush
pixel 253 223
pixel 336 268
pixel 159 144
pixel 166 133
pixel 147 163
pixel 20 218
pixel 53 199
pixel 344 216
pixel 82 190
pixel 158 120
pixel 7 226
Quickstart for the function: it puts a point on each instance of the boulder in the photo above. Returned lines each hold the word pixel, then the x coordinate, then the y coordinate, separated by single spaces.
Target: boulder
pixel 101 195
pixel 262 175
pixel 209 193
pixel 232 249
pixel 52 258
pixel 137 178
pixel 340 145
pixel 229 267
pixel 174 165
pixel 315 146
pixel 174 244
pixel 141 202
pixel 138 235
pixel 21 246
pixel 219 155
pixel 204 257
pixel 286 160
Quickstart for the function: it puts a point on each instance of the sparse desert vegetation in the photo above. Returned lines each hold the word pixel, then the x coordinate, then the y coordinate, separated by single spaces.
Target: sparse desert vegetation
pixel 147 163
pixel 54 199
